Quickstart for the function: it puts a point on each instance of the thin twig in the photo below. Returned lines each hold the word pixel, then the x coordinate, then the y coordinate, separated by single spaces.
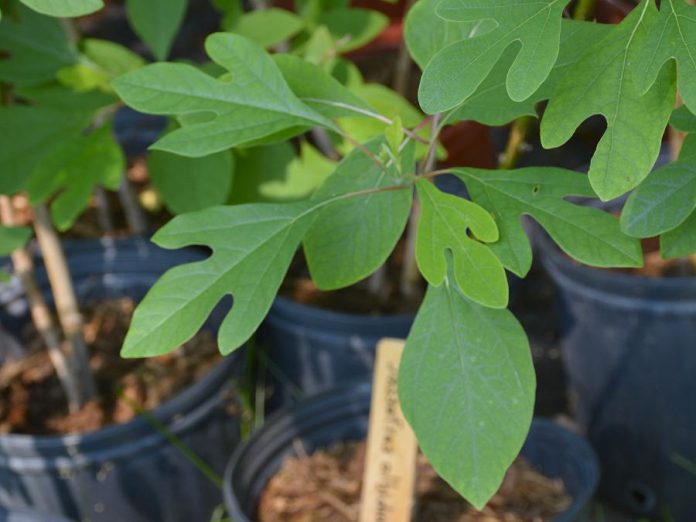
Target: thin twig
pixel 41 314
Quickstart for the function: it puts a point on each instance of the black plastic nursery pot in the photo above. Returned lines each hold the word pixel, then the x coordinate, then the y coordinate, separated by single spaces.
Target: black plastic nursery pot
pixel 309 350
pixel 629 349
pixel 343 415
pixel 130 472
pixel 26 515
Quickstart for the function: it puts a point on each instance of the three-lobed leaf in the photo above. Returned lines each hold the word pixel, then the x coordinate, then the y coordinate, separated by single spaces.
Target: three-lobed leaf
pixel 217 114
pixel 72 170
pixel 252 248
pixel 443 232
pixel 35 131
pixel 672 35
pixel 454 73
pixel 603 82
pixel 467 387
pixel 587 234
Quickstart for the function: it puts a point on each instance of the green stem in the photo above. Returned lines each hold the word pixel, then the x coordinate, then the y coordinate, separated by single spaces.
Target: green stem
pixel 584 9
pixel 518 135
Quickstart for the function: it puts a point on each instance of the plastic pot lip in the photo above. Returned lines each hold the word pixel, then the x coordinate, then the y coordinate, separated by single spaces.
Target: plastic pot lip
pixel 291 309
pixel 325 409
pixel 608 281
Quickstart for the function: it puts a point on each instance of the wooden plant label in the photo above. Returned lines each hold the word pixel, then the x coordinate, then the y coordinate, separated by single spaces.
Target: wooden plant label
pixel 390 466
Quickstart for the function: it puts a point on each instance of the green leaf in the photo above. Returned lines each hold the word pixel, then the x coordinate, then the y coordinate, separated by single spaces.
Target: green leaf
pixel 12 238
pixel 602 83
pixel 353 27
pixel 455 72
pixel 274 173
pixel 683 120
pixel 681 241
pixel 223 109
pixel 467 388
pixel 252 249
pixel 57 96
pixel 390 105
pixel 354 237
pixel 491 104
pixel 76 168
pixel 190 184
pixel 65 8
pixel 672 35
pixel 156 22
pixel 587 234
pixel 37 47
pixel 426 33
pixel 662 202
pixel 319 90
pixel 35 132
pixel 443 229
pixel 101 62
pixel 268 27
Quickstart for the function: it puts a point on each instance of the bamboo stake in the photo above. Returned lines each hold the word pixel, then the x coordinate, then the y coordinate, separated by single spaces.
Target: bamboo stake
pixel 40 313
pixel 66 301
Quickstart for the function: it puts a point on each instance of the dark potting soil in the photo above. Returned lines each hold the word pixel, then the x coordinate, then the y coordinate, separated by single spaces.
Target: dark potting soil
pixel 33 402
pixel 326 487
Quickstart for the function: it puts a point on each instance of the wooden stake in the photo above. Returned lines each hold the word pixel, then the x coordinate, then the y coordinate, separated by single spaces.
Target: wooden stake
pixel 390 470
pixel 66 301
pixel 41 314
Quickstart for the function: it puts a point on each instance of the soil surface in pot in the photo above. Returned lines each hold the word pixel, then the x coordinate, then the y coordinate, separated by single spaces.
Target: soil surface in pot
pixel 33 402
pixel 325 487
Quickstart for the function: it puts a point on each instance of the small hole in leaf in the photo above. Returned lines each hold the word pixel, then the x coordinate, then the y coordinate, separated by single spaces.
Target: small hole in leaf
pixel 536 189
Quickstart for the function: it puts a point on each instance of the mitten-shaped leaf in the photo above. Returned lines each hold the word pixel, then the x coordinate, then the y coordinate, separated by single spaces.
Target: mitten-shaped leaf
pixel 75 168
pixel 36 47
pixel 603 82
pixel 252 249
pixel 12 238
pixel 662 202
pixel 467 387
pixel 672 35
pixel 65 8
pixel 426 33
pixel 454 73
pixel 156 22
pixel 491 103
pixel 255 103
pixel 190 184
pixel 318 89
pixel 352 238
pixel 587 234
pixel 450 225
